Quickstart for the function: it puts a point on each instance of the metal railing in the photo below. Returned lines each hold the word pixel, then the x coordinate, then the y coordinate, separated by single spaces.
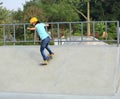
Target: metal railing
pixel 62 33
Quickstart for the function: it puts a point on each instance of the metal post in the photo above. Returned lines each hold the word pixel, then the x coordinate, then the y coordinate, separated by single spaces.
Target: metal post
pixel 14 33
pixel 82 31
pixel 24 33
pixel 106 30
pixel 34 37
pixel 93 30
pixel 58 32
pixel 4 34
pixel 70 28
pixel 118 33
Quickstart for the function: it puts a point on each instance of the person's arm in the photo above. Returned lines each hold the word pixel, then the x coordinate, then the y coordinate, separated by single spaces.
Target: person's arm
pixel 46 24
pixel 33 28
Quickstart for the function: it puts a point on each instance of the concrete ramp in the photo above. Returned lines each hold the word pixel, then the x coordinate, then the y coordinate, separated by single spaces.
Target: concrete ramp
pixel 77 70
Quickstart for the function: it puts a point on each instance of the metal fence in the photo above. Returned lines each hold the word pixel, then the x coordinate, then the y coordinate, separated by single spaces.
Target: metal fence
pixel 63 33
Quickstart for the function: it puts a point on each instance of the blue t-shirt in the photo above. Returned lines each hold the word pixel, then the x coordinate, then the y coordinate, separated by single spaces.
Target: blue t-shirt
pixel 40 28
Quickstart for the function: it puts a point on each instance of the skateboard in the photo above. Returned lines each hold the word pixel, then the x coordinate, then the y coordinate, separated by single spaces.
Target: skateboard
pixel 48 60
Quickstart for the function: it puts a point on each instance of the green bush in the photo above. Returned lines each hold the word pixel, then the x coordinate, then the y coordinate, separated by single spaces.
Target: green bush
pixel 76 34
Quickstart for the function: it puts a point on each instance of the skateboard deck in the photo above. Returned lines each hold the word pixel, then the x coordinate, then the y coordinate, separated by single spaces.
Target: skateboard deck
pixel 42 64
pixel 49 58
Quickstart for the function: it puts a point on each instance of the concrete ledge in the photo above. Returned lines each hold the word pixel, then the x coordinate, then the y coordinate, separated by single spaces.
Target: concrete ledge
pixel 51 96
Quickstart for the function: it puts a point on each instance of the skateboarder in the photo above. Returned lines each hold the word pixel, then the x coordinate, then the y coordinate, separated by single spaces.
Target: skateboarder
pixel 44 36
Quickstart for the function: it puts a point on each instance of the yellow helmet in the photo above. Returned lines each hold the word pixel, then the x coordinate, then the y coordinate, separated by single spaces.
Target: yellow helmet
pixel 33 19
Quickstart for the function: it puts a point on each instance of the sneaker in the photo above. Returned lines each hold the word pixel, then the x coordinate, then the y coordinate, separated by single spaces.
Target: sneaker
pixel 44 62
pixel 51 55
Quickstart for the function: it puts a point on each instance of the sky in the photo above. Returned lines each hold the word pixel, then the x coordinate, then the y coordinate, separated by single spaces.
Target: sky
pixel 13 4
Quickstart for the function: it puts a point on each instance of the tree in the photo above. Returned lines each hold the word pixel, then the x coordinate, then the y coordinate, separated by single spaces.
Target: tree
pixel 60 12
pixel 17 16
pixel 32 9
pixel 77 6
pixel 50 10
pixel 105 10
pixel 4 15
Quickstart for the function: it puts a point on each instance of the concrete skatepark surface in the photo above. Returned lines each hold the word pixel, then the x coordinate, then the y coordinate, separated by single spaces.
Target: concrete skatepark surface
pixel 75 70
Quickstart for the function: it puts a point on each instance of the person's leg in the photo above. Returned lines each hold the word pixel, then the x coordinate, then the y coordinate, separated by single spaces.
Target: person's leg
pixel 44 44
pixel 48 49
pixel 42 47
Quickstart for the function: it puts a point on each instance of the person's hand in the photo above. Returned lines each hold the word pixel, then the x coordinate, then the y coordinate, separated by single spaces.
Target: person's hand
pixel 28 28
pixel 46 24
